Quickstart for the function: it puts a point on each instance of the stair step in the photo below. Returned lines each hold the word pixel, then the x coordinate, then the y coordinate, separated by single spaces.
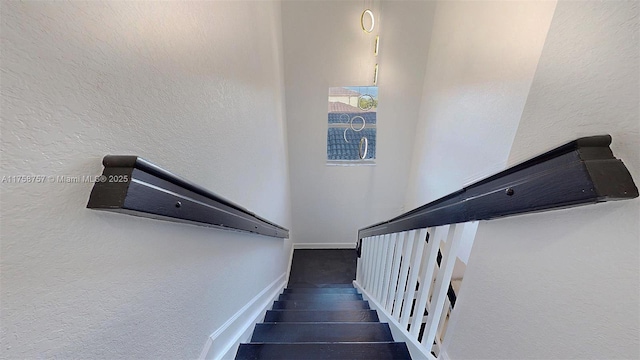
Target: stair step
pixel 320 291
pixel 323 297
pixel 322 332
pixel 321 316
pixel 320 305
pixel 319 286
pixel 324 351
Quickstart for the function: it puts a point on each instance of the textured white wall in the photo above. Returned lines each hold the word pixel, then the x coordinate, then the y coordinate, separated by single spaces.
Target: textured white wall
pixel 323 47
pixel 196 88
pixel 482 58
pixel 565 284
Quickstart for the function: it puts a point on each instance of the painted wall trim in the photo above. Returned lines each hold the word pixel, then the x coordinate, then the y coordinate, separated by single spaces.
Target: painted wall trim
pixel 325 245
pixel 416 349
pixel 223 343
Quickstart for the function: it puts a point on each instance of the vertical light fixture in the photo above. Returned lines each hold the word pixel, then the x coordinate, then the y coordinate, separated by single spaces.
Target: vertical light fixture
pixel 367 14
pixel 367 23
pixel 375 75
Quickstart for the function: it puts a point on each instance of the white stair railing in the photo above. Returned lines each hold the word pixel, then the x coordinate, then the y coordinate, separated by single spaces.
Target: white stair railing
pixel 400 270
pixel 399 274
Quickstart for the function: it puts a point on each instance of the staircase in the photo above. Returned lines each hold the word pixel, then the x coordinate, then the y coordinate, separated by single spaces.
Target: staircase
pixel 328 322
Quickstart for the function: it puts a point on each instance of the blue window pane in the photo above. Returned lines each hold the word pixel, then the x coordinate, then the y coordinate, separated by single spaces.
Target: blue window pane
pixel 339 149
pixel 349 108
pixel 345 118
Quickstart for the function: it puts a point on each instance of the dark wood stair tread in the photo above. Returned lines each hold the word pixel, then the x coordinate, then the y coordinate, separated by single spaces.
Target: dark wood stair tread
pixel 320 305
pixel 324 351
pixel 321 297
pixel 321 316
pixel 316 319
pixel 322 332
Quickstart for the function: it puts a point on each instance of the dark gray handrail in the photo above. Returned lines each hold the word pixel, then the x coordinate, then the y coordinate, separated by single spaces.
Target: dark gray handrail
pixel 132 185
pixel 581 172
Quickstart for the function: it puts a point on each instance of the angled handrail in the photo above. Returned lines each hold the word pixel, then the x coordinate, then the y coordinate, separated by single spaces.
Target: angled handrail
pixel 132 185
pixel 581 172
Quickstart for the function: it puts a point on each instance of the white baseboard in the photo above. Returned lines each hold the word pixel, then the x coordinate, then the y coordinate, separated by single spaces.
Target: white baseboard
pixel 325 245
pixel 289 264
pixel 224 342
pixel 416 349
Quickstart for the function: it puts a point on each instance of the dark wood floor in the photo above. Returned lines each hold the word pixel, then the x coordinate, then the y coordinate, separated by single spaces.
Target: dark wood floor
pixel 318 268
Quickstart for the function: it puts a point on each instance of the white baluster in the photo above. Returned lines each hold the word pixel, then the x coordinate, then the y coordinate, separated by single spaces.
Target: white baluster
pixel 379 261
pixel 442 283
pixel 367 266
pixel 427 275
pixel 395 270
pixel 382 297
pixel 419 240
pixel 363 259
pixel 404 273
pixel 379 270
pixel 374 261
pixel 443 317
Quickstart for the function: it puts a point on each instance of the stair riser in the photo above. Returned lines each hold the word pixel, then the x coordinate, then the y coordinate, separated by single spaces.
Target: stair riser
pixel 320 291
pixel 321 332
pixel 354 351
pixel 321 297
pixel 317 286
pixel 306 305
pixel 321 316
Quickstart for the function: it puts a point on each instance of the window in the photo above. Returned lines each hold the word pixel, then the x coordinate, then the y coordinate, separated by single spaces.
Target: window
pixel 351 135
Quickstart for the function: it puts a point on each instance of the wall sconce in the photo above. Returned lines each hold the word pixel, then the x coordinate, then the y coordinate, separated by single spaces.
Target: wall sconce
pixel 367 14
pixel 375 49
pixel 375 75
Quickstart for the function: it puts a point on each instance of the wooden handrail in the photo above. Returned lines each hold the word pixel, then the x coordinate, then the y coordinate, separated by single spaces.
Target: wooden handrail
pixel 132 185
pixel 581 172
